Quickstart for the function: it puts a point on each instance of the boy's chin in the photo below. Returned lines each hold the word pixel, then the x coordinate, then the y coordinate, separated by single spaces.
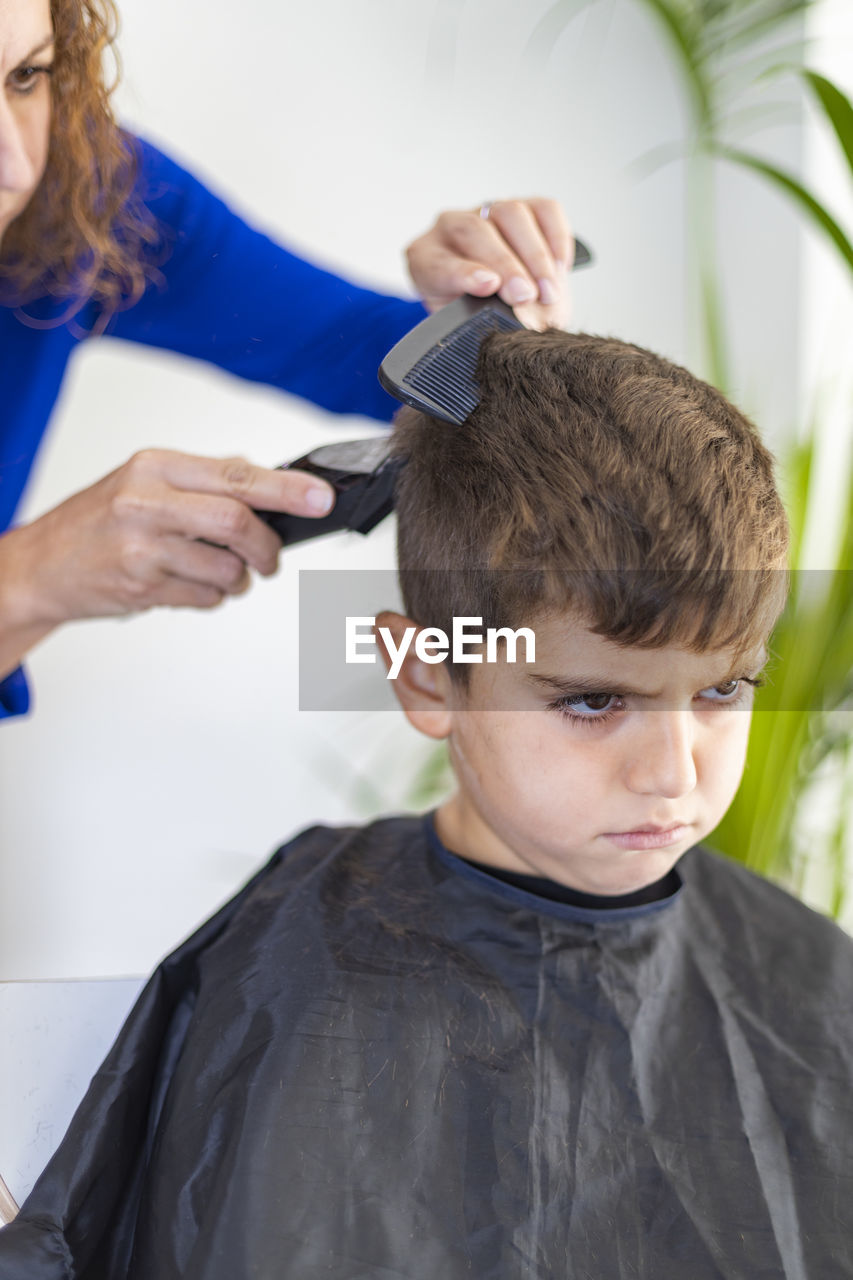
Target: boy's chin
pixel 636 871
pixel 614 871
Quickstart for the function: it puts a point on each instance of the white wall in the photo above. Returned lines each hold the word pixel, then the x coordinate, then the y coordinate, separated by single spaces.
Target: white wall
pixel 166 757
pixel 55 1035
pixel 826 314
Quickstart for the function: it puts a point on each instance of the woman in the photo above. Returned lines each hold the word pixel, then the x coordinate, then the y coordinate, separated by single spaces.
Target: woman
pixel 101 233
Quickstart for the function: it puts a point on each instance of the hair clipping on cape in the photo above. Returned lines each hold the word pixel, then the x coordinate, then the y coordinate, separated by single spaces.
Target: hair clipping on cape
pixel 433 368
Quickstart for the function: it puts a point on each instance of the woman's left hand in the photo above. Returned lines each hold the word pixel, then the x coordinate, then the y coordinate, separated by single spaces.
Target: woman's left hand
pixel 520 249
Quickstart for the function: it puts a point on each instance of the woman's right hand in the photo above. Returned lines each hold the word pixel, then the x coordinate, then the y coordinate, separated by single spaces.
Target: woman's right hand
pixel 164 529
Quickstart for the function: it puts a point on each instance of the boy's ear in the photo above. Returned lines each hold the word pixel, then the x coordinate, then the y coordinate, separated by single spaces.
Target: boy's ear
pixel 423 689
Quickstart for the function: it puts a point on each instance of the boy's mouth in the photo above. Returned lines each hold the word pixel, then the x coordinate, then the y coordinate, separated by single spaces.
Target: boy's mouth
pixel 649 836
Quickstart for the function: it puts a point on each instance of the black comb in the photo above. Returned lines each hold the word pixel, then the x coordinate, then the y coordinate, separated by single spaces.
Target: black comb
pixel 434 367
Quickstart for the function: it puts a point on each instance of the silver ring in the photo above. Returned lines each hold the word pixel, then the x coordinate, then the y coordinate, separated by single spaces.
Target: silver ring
pixel 485 209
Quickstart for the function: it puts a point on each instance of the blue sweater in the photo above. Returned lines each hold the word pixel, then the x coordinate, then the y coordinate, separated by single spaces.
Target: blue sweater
pixel 228 295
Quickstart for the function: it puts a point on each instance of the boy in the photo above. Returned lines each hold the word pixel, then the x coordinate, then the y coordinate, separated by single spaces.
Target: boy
pixel 538 1034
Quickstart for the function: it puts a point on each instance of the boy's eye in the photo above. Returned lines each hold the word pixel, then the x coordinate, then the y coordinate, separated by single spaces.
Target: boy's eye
pixel 601 707
pixel 594 701
pixel 730 690
pixel 591 707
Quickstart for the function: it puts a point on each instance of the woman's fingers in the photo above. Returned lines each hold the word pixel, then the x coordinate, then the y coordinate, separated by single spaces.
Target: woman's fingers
pixel 215 500
pixel 554 226
pixel 295 492
pixel 198 564
pixel 520 250
pixel 516 223
pixel 178 593
pixel 469 251
pixel 165 528
pixel 164 513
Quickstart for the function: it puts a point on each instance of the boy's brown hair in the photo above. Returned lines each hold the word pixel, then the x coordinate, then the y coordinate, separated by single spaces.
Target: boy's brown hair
pixel 594 478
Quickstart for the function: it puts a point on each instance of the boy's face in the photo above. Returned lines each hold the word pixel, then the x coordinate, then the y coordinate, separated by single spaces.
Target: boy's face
pixel 597 765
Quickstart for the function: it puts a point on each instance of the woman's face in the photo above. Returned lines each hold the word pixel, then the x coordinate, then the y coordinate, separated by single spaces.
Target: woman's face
pixel 26 60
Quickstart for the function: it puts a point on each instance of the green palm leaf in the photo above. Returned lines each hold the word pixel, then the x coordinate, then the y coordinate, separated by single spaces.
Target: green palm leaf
pixel 837 109
pixel 793 188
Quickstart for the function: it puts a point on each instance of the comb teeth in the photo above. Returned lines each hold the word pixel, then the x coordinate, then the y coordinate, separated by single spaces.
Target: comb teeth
pixel 446 373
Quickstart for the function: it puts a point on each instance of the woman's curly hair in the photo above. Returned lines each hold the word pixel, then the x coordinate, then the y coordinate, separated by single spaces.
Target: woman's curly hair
pixel 85 233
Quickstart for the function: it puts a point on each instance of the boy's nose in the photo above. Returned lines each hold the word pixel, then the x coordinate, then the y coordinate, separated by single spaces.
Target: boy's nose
pixel 17 172
pixel 661 761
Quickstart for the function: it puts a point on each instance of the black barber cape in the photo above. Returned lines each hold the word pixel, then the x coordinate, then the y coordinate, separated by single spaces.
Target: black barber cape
pixel 378 1061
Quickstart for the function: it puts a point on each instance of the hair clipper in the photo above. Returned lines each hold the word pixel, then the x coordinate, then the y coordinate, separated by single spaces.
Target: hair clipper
pixel 362 474
pixel 433 368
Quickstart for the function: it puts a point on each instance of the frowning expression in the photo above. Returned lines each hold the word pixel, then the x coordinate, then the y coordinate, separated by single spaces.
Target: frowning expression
pixel 600 764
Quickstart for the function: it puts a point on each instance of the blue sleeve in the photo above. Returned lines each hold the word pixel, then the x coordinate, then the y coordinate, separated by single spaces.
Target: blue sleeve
pixel 231 296
pixel 14 695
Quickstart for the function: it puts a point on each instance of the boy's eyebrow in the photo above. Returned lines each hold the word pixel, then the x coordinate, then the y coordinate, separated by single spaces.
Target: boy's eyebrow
pixel 592 681
pixel 588 683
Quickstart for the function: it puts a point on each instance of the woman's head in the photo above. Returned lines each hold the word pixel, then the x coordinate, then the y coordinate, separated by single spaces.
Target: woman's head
pixel 26 60
pixel 68 224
